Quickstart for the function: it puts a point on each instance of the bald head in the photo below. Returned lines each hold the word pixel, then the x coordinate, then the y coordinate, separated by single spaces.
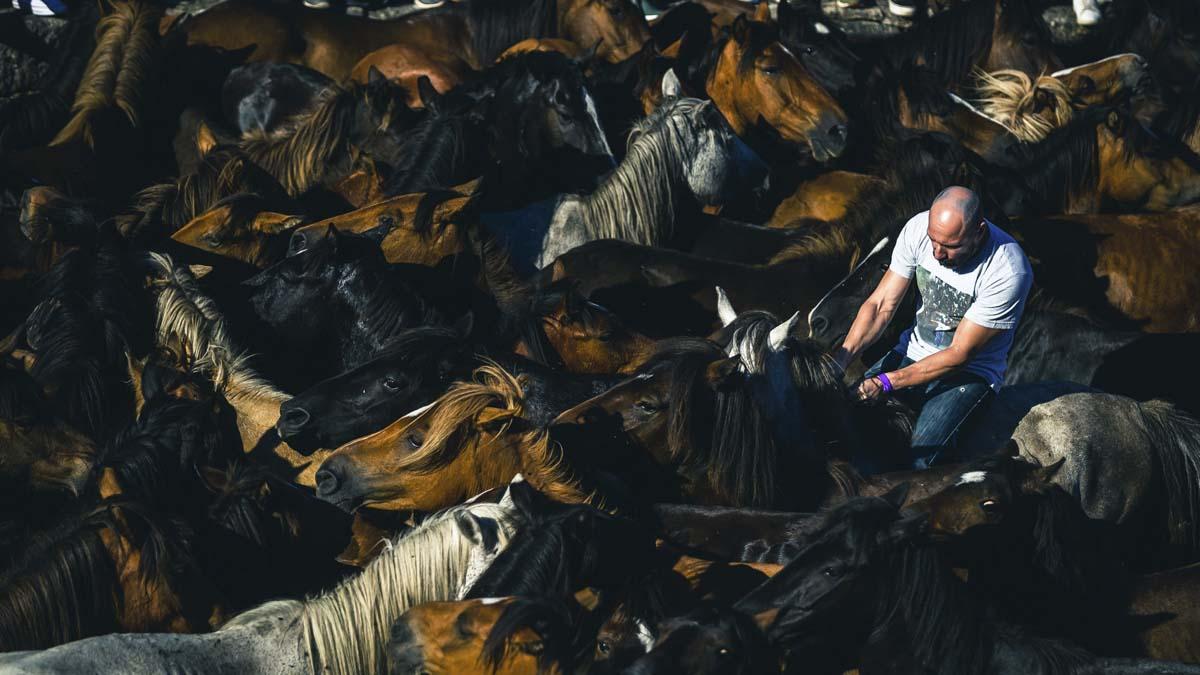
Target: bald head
pixel 956 227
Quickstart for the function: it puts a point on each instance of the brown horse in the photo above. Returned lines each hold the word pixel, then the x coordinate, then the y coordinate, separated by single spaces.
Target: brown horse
pixel 1131 265
pixel 334 44
pixel 827 197
pixel 114 569
pixel 1031 108
pixel 240 227
pixel 89 156
pixel 762 88
pixel 420 229
pixel 405 65
pixel 470 440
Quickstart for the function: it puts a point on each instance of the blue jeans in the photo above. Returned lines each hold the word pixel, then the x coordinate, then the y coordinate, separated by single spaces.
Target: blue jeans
pixel 944 405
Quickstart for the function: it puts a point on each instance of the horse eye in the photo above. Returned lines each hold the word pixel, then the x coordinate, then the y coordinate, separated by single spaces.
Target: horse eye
pixel 391 383
pixel 809 51
pixel 533 648
pixel 831 572
pixel 386 221
pixel 602 646
pixel 297 244
pixel 646 406
pixel 414 441
pixel 724 651
pixel 606 336
pixel 989 505
pixel 770 70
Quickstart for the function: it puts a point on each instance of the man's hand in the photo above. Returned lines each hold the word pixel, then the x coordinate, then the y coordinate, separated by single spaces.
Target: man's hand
pixel 869 389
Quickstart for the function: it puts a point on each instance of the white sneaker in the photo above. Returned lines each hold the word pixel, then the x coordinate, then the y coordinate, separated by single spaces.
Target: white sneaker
pixel 316 4
pixel 1087 12
pixel 904 8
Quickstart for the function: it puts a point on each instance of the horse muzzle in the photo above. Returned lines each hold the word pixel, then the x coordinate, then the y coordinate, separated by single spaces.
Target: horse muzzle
pixel 828 140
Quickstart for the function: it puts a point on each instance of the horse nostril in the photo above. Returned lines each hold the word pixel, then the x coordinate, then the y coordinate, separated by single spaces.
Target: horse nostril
pixel 820 325
pixel 327 482
pixel 293 419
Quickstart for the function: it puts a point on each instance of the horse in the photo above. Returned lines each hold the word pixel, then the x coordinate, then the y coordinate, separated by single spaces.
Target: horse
pixel 106 124
pixel 707 641
pixel 821 47
pixel 827 197
pixel 985 34
pixel 1004 517
pixel 767 95
pixel 528 127
pixel 317 147
pixel 419 365
pixel 260 97
pixel 869 575
pixel 112 568
pixel 480 31
pixel 344 630
pixel 471 439
pixel 1163 31
pixel 241 227
pixel 685 149
pixel 1031 108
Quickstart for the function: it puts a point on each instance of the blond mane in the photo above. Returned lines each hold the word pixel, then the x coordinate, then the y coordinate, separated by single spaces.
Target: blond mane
pixel 1030 109
pixel 126 42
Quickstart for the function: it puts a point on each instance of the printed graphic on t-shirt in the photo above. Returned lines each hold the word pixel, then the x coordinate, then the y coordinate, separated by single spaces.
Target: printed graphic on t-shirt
pixel 942 308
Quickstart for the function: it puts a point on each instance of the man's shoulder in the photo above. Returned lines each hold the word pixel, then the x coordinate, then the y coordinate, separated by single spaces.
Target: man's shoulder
pixel 1007 255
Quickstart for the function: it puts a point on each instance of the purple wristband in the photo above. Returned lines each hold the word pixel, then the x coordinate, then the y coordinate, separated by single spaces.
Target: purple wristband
pixel 887 384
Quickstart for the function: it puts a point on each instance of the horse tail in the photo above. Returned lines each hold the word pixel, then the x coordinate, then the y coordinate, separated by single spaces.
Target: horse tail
pixel 1175 442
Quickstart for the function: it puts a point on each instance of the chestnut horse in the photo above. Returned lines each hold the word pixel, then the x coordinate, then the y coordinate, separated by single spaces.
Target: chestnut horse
pixel 473 35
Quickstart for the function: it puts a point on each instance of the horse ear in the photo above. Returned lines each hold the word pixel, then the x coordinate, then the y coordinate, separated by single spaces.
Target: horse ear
pixel 670 84
pixel 897 495
pixel 375 76
pixel 725 308
pixel 719 373
pixel 1040 479
pixel 333 235
pixel 429 95
pixel 525 499
pixel 762 12
pixel 780 333
pixel 200 271
pixel 483 532
pixel 739 27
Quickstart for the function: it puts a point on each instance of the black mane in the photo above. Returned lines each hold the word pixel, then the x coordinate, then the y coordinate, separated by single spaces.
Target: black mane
pixel 497 25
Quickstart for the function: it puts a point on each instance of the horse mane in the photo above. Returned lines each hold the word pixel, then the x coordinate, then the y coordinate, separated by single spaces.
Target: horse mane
pixel 1175 442
pixel 221 173
pixel 1067 161
pixel 560 622
pixel 186 317
pixel 1182 117
pixel 299 154
pixel 1012 98
pixel 435 152
pixel 65 586
pixel 637 201
pixel 31 117
pixel 346 630
pixel 497 25
pixel 126 41
pixel 948 45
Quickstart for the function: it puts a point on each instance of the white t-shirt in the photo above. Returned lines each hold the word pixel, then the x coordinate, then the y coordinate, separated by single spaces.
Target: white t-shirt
pixel 990 290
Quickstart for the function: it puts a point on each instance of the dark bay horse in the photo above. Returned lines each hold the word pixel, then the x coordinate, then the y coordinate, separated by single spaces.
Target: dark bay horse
pixel 1003 517
pixel 333 44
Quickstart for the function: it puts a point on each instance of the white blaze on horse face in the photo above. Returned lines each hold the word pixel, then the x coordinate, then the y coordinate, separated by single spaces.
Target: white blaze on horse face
pixel 878 247
pixel 419 411
pixel 725 308
pixel 779 333
pixel 644 635
pixel 971 477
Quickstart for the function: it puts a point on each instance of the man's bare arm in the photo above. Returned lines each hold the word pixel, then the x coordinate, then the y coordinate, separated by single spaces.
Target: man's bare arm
pixel 873 317
pixel 969 338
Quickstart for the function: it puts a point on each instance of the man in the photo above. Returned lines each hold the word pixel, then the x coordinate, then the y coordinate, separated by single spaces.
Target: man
pixel 973 279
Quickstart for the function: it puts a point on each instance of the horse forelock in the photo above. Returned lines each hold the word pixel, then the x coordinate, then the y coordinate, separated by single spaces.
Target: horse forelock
pixel 1008 96
pixel 347 629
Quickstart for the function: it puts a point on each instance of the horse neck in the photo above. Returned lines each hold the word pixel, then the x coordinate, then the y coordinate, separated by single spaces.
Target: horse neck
pixel 638 201
pixel 924 616
pixel 347 629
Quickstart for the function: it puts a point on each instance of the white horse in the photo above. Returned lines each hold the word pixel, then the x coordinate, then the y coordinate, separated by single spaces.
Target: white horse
pixel 344 631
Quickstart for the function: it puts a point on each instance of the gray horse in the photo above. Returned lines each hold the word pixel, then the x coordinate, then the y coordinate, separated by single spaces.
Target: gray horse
pixel 343 631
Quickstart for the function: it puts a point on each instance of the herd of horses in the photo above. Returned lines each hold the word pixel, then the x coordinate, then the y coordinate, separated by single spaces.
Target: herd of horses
pixel 495 339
